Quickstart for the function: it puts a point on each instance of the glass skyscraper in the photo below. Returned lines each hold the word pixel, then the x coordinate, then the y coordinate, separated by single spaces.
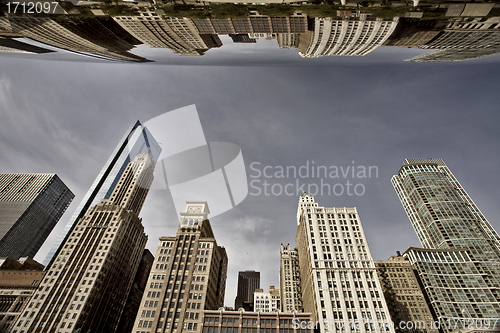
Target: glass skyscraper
pixel 137 140
pixel 459 266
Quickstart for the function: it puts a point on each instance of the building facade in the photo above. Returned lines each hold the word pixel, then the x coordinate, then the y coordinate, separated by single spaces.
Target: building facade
pixel 87 286
pixel 458 242
pixel 266 301
pixel 345 37
pixel 290 293
pixel 30 207
pixel 137 140
pixel 17 283
pixel 187 277
pixel 338 276
pixel 405 300
pixel 248 282
pixel 127 320
pixel 221 321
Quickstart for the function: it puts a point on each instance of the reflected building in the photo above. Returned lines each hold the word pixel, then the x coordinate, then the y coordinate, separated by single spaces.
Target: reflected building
pixel 83 36
pixel 345 37
pixel 459 266
pixel 177 34
pixel 414 32
pixel 242 38
pixel 349 33
pixel 286 41
pixel 11 45
pixel 255 23
pixel 463 39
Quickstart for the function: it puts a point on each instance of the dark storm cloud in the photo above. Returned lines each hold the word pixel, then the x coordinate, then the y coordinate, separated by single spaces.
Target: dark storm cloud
pixel 68 117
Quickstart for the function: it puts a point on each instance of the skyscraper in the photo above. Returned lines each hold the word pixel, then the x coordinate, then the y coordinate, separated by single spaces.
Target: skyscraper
pixel 459 266
pixel 30 207
pixel 137 140
pixel 290 293
pixel 87 286
pixel 187 277
pixel 248 281
pixel 338 276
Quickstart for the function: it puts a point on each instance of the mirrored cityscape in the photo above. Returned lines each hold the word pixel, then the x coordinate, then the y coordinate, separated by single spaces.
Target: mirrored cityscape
pixel 141 31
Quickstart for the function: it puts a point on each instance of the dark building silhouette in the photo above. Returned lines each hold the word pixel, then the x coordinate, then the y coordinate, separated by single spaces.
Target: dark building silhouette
pixel 248 281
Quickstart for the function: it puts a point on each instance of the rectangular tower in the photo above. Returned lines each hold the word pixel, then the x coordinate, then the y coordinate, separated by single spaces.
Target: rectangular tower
pixel 86 288
pixel 291 296
pixel 248 281
pixel 30 207
pixel 338 276
pixel 137 140
pixel 187 277
pixel 459 266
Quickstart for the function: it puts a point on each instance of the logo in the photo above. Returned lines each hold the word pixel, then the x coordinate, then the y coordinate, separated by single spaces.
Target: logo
pixel 194 169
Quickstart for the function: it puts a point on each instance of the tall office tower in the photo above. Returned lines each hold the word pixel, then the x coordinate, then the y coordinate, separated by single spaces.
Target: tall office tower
pixel 86 288
pixel 137 140
pixel 188 276
pixel 248 281
pixel 30 207
pixel 460 265
pixel 266 301
pixel 405 300
pixel 338 276
pixel 290 294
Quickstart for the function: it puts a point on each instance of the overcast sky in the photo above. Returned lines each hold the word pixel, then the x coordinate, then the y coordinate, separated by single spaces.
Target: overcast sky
pixel 67 117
